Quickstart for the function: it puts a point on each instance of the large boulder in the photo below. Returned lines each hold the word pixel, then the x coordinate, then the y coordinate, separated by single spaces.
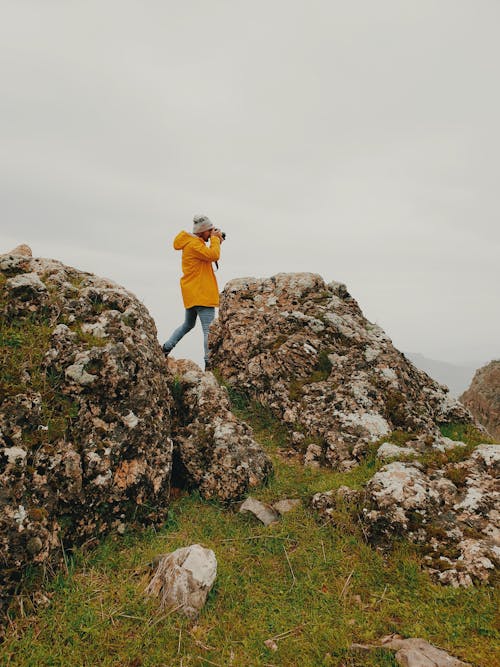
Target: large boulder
pixel 85 442
pixel 303 348
pixel 213 450
pixel 482 398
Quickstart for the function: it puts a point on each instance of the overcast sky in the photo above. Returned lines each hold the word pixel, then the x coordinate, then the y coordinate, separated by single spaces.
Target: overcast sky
pixel 359 140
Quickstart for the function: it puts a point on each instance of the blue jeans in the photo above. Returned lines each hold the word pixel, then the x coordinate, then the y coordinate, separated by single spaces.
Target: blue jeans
pixel 206 315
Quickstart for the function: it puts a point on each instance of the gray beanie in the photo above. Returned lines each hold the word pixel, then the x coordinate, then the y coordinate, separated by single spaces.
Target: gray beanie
pixel 201 224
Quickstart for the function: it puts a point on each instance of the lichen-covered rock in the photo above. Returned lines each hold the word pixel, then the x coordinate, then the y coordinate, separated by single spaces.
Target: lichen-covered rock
pixel 184 578
pixel 454 512
pixel 482 398
pixel 326 502
pixel 304 349
pixel 213 450
pixel 84 416
pixel 389 450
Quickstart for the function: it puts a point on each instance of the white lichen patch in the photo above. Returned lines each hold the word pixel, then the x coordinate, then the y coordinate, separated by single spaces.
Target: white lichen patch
pixel 402 484
pixel 15 454
pixel 371 353
pixel 131 420
pixel 20 514
pixel 372 422
pixel 489 454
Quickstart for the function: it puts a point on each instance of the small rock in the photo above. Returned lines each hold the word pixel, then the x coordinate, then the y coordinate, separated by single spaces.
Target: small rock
pixel 348 495
pixel 184 578
pixel 78 374
pixel 34 546
pixel 444 444
pixel 271 645
pixel 264 513
pixel 130 420
pixel 22 249
pixel 313 456
pixel 40 599
pixel 26 282
pixel 419 653
pixel 388 450
pixel 286 505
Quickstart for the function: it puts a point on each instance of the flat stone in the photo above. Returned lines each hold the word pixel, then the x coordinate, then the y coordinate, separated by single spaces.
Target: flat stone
pixel 388 450
pixel 264 513
pixel 26 281
pixel 419 653
pixel 286 505
pixel 78 374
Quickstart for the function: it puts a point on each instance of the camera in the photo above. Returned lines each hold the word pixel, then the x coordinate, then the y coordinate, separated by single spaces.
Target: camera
pixel 223 234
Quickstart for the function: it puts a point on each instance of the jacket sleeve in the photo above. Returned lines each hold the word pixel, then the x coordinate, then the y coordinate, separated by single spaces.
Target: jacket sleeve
pixel 210 254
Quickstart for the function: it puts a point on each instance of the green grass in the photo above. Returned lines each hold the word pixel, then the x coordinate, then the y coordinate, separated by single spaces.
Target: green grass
pixel 320 373
pixel 467 433
pixel 24 342
pixel 316 588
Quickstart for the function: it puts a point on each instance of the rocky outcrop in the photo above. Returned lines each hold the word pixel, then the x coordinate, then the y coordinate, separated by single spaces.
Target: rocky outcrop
pixel 452 512
pixel 214 451
pixel 85 441
pixel 482 398
pixel 304 349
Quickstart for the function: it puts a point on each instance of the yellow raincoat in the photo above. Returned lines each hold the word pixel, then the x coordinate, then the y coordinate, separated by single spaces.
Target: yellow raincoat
pixel 198 282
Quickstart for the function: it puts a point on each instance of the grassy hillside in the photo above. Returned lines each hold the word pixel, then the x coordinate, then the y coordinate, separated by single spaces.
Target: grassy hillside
pixel 313 589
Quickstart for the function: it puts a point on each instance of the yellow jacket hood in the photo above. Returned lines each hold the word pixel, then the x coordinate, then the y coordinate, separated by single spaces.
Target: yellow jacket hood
pixel 182 239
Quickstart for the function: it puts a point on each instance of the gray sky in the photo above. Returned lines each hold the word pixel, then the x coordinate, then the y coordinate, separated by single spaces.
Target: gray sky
pixel 358 140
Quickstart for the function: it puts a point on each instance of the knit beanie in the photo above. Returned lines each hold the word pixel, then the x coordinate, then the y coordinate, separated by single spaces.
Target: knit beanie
pixel 201 224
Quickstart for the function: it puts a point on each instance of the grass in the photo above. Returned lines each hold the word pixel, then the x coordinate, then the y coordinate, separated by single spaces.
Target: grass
pixel 23 344
pixel 24 341
pixel 467 433
pixel 312 588
pixel 320 373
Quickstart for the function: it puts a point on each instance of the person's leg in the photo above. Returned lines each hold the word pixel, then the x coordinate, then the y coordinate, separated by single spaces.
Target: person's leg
pixel 187 325
pixel 206 315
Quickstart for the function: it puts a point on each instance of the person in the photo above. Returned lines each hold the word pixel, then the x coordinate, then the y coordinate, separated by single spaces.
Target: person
pixel 200 292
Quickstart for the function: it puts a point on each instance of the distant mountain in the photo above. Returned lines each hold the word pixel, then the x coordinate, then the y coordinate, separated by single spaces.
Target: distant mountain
pixel 456 378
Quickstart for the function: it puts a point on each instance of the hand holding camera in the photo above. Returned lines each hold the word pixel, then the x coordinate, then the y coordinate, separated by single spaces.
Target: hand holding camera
pixel 217 232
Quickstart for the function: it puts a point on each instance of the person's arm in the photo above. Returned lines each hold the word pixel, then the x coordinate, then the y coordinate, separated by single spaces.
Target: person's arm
pixel 210 254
